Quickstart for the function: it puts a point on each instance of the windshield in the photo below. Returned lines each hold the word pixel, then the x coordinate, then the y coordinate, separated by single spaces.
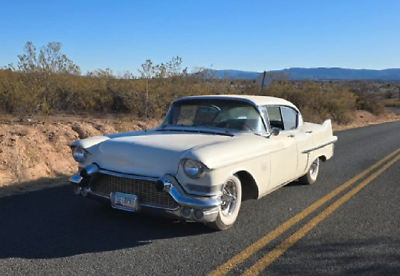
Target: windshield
pixel 224 114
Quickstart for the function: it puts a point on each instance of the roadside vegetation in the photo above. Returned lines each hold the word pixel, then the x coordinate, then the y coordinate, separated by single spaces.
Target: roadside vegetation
pixel 46 102
pixel 47 82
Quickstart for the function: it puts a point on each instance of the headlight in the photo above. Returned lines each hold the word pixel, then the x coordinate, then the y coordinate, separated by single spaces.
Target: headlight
pixel 193 168
pixel 79 154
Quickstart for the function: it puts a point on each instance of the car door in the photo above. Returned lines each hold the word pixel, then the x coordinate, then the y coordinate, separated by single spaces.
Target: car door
pixel 284 153
pixel 303 137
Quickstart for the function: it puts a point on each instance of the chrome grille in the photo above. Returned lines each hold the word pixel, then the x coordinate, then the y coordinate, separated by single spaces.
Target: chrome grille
pixel 145 190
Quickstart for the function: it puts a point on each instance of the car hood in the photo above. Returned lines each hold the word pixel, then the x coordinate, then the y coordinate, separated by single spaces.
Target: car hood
pixel 152 154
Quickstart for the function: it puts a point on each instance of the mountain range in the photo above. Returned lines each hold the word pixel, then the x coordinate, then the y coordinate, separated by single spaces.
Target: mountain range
pixel 321 73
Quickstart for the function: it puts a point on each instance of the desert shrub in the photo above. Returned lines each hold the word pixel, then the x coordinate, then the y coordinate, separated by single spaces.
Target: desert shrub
pixel 33 93
pixel 370 103
pixel 317 102
pixel 21 93
pixel 392 102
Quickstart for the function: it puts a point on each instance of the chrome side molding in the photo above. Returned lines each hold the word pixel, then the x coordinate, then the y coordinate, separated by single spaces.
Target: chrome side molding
pixel 320 146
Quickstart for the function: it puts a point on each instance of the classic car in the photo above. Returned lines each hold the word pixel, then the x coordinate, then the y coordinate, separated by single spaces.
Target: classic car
pixel 208 154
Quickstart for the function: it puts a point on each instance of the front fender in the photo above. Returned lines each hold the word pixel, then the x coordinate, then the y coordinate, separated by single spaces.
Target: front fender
pixel 88 143
pixel 235 151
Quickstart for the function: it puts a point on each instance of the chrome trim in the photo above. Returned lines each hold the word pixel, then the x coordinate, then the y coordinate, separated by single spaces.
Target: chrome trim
pixel 158 207
pixel 320 146
pixel 99 195
pixel 131 176
pixel 201 190
pixel 162 199
pixel 85 191
pixel 184 199
pixel 75 179
pixel 209 205
pixel 209 215
pixel 83 154
pixel 228 197
pixel 77 189
pixel 202 168
pixel 141 204
pixel 89 170
pixel 176 191
pixel 267 121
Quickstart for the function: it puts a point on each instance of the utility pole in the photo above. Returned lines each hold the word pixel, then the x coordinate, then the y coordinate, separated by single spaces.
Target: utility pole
pixel 263 81
pixel 147 97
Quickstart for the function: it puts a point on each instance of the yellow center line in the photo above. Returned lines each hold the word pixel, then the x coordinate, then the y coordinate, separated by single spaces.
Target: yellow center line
pixel 252 249
pixel 286 244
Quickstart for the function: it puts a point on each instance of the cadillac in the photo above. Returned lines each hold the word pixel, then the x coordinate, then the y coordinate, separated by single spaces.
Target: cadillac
pixel 208 155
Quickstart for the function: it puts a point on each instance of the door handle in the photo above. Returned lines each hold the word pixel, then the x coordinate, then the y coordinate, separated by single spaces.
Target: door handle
pixel 309 131
pixel 291 136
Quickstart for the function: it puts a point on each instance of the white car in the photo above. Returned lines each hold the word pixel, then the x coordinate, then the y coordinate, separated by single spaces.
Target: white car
pixel 209 154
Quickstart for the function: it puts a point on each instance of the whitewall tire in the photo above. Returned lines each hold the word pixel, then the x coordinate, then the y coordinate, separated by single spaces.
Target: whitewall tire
pixel 311 176
pixel 231 202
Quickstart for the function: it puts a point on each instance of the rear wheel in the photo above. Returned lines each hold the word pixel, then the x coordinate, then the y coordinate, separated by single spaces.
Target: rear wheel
pixel 229 209
pixel 311 176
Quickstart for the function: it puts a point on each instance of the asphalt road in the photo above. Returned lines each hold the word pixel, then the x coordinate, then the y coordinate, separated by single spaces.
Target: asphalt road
pixel 54 232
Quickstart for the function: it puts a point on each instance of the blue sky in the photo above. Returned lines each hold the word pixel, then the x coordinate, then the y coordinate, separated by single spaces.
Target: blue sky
pixel 245 35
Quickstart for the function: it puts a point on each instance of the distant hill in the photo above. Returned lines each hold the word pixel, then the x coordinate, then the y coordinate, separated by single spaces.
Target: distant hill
pixel 321 73
pixel 235 74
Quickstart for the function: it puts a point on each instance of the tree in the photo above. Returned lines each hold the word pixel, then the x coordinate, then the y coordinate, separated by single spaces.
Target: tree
pixel 101 73
pixel 48 60
pixel 43 83
pixel 148 70
pixel 174 67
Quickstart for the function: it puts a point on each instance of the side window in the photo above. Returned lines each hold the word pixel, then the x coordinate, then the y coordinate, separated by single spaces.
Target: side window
pixel 274 116
pixel 282 117
pixel 289 118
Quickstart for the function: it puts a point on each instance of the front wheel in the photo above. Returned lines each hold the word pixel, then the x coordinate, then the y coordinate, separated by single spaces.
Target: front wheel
pixel 229 209
pixel 311 176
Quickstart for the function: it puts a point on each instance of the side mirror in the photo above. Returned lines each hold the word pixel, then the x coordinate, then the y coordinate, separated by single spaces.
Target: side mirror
pixel 275 131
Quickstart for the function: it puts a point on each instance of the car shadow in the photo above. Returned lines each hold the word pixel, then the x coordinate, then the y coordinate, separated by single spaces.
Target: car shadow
pixel 54 222
pixel 295 183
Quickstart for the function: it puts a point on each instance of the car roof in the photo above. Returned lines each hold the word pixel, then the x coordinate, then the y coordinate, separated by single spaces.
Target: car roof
pixel 255 100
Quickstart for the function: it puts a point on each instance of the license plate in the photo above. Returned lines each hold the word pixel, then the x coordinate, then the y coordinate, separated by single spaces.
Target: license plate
pixel 126 202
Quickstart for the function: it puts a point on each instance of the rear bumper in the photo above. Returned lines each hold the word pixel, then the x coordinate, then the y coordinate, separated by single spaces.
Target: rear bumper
pixel 188 207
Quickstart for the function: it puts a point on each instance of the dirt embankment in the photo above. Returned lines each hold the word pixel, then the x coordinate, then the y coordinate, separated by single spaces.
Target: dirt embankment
pixel 39 149
pixel 365 118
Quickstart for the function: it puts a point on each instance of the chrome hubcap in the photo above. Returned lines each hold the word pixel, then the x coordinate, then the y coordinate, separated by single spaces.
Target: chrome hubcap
pixel 314 167
pixel 229 195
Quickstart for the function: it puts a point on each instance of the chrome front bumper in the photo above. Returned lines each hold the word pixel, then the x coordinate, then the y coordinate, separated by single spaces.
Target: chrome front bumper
pixel 189 207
